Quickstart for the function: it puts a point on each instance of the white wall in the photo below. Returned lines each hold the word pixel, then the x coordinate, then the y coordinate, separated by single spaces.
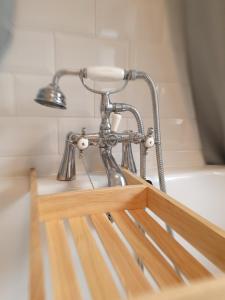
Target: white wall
pixel 78 33
pixel 49 35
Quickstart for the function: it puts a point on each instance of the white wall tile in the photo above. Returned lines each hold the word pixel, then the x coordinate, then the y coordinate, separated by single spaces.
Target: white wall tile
pixel 14 238
pixel 7 105
pixel 172 160
pixel 45 165
pixel 183 159
pixel 149 20
pixel 133 19
pixel 28 136
pixel 175 101
pixel 176 134
pixel 176 159
pixel 140 97
pixel 180 134
pixel 29 51
pixel 114 18
pixel 112 53
pixel 80 102
pixel 20 166
pixel 160 61
pixel 76 52
pixel 174 24
pixel 68 15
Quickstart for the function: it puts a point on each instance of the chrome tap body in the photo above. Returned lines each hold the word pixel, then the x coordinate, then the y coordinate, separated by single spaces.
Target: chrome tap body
pixel 106 139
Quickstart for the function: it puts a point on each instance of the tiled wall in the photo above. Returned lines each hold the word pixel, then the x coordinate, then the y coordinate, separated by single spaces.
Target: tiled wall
pixel 49 35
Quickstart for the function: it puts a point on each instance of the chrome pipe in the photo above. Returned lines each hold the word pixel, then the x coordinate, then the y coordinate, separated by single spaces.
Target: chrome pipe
pixel 114 173
pixel 61 73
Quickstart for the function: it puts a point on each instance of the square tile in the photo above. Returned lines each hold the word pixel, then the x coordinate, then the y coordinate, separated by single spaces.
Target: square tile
pixel 130 19
pixel 29 51
pixel 160 61
pixel 75 52
pixel 175 101
pixel 28 136
pixel 7 103
pixel 67 15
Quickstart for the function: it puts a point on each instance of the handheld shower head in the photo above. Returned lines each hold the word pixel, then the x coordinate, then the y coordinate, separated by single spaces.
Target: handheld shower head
pixel 51 96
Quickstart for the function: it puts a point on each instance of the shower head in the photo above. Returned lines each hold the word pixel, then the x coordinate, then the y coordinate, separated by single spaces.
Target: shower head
pixel 51 96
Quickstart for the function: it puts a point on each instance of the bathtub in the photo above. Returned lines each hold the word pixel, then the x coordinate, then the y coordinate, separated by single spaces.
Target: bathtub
pixel 202 190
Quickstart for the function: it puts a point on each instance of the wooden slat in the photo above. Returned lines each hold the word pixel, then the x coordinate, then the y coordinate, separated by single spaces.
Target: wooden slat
pixel 63 277
pixel 133 179
pixel 90 202
pixel 199 290
pixel 36 284
pixel 206 237
pixel 129 272
pixel 162 272
pixel 98 276
pixel 191 268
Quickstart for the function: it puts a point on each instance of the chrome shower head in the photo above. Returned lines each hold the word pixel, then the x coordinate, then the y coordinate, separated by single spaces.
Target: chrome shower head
pixel 51 96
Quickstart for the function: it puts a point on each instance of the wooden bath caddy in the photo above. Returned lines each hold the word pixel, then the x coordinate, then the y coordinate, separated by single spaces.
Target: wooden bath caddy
pixel 84 212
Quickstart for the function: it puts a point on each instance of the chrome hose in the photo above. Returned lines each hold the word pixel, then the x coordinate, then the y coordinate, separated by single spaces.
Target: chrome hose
pixel 156 121
pixel 157 135
pixel 140 126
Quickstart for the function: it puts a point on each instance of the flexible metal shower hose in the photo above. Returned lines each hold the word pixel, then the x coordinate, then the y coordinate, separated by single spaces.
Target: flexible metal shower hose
pixel 158 147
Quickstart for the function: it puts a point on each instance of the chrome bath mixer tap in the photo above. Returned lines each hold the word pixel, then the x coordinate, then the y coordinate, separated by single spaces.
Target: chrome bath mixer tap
pixel 108 135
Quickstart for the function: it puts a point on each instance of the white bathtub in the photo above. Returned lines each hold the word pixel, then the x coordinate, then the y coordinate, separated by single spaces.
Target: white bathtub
pixel 202 190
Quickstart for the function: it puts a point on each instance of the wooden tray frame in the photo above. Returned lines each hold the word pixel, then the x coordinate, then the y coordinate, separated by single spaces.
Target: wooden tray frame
pixel 73 205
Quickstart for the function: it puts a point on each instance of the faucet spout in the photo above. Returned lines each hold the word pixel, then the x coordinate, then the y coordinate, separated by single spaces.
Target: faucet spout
pixel 67 170
pixel 114 173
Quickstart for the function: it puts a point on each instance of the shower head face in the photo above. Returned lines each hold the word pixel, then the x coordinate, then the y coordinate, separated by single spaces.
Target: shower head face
pixel 51 96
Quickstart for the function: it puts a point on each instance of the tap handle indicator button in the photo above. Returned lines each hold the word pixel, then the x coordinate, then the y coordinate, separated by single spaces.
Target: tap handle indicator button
pixel 149 142
pixel 82 143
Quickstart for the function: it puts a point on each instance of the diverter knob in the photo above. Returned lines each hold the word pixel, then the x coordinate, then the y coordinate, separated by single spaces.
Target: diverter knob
pixel 116 118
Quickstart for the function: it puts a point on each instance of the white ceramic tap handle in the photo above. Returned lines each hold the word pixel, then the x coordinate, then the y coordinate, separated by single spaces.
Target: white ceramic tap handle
pixel 104 73
pixel 149 142
pixel 82 143
pixel 115 121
